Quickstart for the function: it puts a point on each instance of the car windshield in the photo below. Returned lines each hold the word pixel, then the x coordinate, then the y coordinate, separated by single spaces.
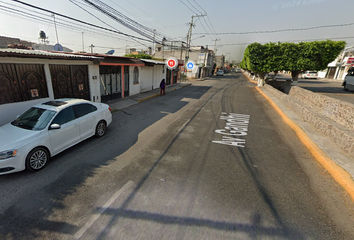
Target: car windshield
pixel 34 119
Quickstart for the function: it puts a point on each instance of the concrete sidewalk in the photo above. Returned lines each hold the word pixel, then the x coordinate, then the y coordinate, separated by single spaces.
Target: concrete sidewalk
pixel 122 103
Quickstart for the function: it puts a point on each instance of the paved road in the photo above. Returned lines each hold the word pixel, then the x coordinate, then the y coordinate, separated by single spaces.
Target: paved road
pixel 163 172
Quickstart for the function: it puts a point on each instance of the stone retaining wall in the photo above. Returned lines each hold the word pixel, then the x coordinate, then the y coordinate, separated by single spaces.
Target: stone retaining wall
pixel 331 117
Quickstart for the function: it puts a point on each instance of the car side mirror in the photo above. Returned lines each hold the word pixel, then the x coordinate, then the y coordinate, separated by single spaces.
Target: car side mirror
pixel 54 126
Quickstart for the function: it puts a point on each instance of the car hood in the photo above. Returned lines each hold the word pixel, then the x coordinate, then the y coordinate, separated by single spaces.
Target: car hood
pixel 13 137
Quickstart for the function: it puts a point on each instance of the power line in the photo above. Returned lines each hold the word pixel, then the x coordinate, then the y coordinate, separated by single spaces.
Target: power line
pixel 286 30
pixel 38 17
pixel 200 7
pixel 194 6
pixel 124 20
pixel 188 7
pixel 303 40
pixel 103 21
pixel 77 20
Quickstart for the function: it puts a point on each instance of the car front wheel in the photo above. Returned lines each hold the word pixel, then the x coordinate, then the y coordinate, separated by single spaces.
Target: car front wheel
pixel 100 129
pixel 37 159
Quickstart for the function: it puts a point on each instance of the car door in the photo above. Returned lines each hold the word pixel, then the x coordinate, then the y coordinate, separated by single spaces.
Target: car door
pixel 86 114
pixel 69 132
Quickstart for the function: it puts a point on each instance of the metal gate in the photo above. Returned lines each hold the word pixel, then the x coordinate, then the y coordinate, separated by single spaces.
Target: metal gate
pixel 168 77
pixel 22 82
pixel 126 81
pixel 111 82
pixel 70 81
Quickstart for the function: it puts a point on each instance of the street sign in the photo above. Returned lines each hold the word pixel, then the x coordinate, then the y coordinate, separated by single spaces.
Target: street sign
pixel 172 63
pixel 190 65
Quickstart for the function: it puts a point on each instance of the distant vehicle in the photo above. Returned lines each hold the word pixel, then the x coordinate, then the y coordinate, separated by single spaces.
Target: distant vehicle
pixel 309 74
pixel 47 129
pixel 220 73
pixel 348 83
pixel 238 70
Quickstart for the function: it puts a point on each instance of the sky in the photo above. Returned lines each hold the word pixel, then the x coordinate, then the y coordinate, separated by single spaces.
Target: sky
pixel 227 26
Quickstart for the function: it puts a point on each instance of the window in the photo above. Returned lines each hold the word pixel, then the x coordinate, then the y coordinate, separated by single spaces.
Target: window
pixel 136 75
pixel 83 109
pixel 351 72
pixel 34 119
pixel 64 116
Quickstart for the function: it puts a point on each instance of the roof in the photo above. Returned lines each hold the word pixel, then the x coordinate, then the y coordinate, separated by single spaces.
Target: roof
pixel 151 62
pixel 119 61
pixel 110 60
pixel 11 52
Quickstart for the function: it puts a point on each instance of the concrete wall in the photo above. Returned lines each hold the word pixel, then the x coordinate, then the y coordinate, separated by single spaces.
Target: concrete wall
pixel 151 76
pixel 146 77
pixel 331 117
pixel 159 74
pixel 134 88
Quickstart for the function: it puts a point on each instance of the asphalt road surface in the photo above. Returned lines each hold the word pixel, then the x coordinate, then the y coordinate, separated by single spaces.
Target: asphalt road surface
pixel 168 170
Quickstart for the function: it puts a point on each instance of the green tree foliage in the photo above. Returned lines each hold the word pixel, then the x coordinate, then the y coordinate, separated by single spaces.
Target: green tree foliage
pixel 140 56
pixel 293 57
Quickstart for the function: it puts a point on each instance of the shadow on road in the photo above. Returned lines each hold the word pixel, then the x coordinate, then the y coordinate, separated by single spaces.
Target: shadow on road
pixel 30 215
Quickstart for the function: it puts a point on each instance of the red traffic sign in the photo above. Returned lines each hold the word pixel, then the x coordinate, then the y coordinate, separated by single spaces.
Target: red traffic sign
pixel 172 63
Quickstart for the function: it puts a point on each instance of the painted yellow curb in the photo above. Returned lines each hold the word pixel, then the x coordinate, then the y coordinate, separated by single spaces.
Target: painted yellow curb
pixel 341 176
pixel 152 96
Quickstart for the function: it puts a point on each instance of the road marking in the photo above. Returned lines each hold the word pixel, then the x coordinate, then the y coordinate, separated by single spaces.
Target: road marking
pixel 236 126
pixel 95 216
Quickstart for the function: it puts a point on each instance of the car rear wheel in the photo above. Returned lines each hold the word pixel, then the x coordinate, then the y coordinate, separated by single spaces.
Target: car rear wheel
pixel 37 159
pixel 100 129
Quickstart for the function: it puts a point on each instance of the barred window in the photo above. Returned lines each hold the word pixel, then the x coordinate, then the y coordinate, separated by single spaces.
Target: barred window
pixel 136 75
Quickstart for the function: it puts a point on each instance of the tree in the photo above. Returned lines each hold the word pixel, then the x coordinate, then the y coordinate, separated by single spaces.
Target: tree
pixel 290 58
pixel 140 56
pixel 262 59
pixel 293 57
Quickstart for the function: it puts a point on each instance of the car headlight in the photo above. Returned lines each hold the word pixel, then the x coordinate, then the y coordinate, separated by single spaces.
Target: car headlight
pixel 8 154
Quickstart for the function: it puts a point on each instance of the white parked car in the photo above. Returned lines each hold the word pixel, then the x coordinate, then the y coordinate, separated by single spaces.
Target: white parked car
pixel 348 83
pixel 220 73
pixel 47 129
pixel 309 74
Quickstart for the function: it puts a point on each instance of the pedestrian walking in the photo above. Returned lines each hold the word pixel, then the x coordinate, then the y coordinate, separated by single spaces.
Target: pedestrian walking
pixel 162 87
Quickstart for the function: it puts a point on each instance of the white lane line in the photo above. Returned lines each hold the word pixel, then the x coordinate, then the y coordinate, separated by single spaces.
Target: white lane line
pixel 95 216
pixel 180 129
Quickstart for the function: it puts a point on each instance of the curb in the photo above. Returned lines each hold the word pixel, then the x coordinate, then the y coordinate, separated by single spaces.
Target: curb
pixel 158 94
pixel 342 177
pixel 149 97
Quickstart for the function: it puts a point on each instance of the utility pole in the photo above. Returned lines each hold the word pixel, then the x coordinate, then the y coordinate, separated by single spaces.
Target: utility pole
pixel 83 43
pixel 56 31
pixel 153 44
pixel 205 55
pixel 215 45
pixel 189 36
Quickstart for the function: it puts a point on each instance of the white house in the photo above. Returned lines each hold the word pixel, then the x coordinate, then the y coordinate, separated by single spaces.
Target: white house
pixel 151 74
pixel 28 77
